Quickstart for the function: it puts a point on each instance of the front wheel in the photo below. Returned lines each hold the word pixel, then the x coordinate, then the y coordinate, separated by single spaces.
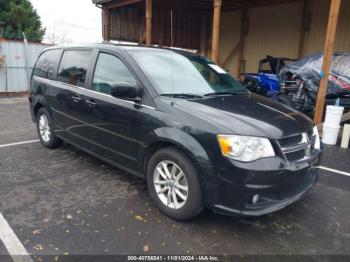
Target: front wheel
pixel 174 184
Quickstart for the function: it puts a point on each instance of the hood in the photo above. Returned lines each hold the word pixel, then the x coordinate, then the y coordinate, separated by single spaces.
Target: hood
pixel 248 114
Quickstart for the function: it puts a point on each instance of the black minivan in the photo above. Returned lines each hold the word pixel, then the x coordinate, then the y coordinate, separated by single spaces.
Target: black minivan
pixel 197 136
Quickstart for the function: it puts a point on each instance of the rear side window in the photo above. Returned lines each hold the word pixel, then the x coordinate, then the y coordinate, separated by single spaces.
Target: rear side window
pixel 47 64
pixel 73 67
pixel 110 70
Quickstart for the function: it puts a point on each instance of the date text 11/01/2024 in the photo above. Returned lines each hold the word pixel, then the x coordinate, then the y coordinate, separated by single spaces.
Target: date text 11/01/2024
pixel 173 258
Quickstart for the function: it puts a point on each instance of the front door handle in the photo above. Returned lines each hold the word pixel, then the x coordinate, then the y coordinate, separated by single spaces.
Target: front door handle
pixel 91 103
pixel 76 98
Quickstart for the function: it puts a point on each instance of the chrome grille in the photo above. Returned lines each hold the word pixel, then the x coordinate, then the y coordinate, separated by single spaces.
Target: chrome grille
pixel 295 156
pixel 298 147
pixel 290 141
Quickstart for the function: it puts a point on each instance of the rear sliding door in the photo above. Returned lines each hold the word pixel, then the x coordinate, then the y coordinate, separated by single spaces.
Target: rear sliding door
pixel 69 106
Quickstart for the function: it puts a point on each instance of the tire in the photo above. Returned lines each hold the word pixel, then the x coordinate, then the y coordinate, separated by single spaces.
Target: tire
pixel 46 131
pixel 180 209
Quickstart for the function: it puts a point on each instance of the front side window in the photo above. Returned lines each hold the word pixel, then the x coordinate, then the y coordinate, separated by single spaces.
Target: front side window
pixel 110 71
pixel 74 66
pixel 174 73
pixel 47 64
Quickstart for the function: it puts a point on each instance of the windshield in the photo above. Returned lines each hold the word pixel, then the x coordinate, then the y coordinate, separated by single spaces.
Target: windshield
pixel 185 74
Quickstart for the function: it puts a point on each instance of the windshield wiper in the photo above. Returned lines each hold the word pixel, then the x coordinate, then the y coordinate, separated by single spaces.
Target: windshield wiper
pixel 225 93
pixel 183 95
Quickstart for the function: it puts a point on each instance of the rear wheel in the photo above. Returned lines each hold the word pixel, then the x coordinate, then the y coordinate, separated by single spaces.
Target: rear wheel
pixel 46 130
pixel 174 184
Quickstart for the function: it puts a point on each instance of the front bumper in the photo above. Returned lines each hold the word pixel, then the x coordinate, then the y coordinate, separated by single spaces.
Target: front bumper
pixel 262 187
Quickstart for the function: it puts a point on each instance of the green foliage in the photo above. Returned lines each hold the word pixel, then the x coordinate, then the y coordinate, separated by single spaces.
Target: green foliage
pixel 17 16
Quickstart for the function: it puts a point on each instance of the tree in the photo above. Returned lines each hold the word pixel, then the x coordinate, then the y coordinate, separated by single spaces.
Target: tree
pixel 18 16
pixel 57 34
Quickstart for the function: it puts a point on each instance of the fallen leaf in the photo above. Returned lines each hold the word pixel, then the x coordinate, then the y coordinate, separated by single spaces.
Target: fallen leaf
pixel 36 232
pixel 38 247
pixel 139 218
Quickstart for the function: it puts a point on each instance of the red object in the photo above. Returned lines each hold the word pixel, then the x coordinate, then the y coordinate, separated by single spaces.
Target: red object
pixel 340 82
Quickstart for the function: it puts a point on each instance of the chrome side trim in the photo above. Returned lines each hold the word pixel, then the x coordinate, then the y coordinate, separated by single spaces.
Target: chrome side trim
pixel 74 88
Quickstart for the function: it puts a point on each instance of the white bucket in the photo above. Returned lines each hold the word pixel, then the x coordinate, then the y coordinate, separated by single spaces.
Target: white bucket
pixel 330 134
pixel 334 115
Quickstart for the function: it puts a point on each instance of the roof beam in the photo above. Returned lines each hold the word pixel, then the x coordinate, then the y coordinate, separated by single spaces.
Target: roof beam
pixel 122 3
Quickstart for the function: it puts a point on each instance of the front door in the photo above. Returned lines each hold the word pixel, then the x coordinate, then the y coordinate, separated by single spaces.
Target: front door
pixel 111 121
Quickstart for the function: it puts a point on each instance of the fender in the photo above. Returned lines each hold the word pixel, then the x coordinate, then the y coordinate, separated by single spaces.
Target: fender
pixel 186 143
pixel 38 100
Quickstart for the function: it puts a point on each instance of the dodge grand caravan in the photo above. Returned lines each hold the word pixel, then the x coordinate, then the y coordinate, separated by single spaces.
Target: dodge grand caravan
pixel 197 136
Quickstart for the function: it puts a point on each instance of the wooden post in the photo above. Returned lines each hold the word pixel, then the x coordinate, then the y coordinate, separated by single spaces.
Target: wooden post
pixel 216 31
pixel 244 32
pixel 106 23
pixel 233 52
pixel 149 22
pixel 327 60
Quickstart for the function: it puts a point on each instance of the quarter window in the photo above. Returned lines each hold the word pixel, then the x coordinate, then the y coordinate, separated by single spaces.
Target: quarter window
pixel 74 66
pixel 47 64
pixel 109 71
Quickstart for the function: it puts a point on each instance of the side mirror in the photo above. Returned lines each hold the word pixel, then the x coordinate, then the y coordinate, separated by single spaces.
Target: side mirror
pixel 127 91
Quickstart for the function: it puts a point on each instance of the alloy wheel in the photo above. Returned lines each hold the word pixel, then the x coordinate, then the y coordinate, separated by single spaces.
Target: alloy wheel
pixel 171 184
pixel 44 128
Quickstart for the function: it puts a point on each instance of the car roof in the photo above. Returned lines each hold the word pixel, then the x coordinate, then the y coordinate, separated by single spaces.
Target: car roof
pixel 126 47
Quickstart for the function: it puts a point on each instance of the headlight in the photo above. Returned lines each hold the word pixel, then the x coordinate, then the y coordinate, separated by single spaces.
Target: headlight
pixel 244 148
pixel 317 139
